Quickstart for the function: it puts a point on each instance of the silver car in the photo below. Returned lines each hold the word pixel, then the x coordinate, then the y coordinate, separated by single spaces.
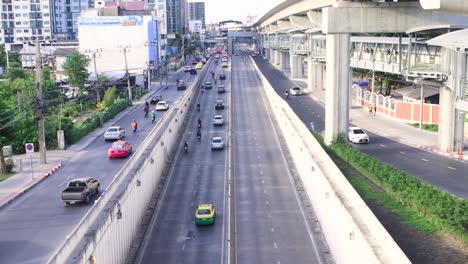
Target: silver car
pixel 217 143
pixel 218 120
pixel 114 133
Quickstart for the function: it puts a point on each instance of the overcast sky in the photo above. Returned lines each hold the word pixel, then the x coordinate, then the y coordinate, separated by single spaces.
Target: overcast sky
pixel 220 10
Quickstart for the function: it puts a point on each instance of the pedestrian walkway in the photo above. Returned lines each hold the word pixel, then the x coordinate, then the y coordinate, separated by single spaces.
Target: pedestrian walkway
pixel 32 172
pixel 383 125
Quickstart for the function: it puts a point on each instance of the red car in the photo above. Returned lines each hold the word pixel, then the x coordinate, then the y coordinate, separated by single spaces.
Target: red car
pixel 120 149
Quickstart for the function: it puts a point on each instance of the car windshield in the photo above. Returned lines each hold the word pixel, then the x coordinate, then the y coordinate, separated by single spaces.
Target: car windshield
pixel 161 103
pixel 358 131
pixel 218 117
pixel 204 211
pixel 118 146
pixel 112 129
pixel 217 141
pixel 296 88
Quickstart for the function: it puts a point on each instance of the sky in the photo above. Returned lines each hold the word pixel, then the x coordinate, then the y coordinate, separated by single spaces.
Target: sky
pixel 220 10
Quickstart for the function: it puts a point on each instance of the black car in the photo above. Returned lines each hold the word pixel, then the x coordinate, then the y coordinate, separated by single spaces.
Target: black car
pixel 222 76
pixel 219 105
pixel 181 86
pixel 193 72
pixel 155 99
pixel 208 85
pixel 221 89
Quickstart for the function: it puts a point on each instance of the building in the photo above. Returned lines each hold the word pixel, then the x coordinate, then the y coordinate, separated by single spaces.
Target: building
pixel 24 21
pixel 101 37
pixel 176 16
pixel 64 17
pixel 196 11
pixel 195 26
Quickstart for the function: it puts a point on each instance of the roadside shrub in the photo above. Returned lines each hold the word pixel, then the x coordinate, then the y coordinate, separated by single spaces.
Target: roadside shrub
pixel 447 212
pixel 109 96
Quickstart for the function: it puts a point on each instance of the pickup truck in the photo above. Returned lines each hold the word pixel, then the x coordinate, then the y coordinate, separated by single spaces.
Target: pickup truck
pixel 80 190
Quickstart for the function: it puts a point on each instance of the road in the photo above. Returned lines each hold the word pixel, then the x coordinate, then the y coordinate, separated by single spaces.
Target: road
pixel 35 225
pixel 198 176
pixel 268 225
pixel 440 171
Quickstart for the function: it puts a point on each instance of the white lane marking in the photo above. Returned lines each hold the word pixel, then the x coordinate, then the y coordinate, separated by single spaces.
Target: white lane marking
pixel 266 202
pixel 183 246
pixel 452 168
pixel 263 181
pixel 401 152
pixel 382 145
pixel 278 262
pixel 261 172
pixel 272 229
pixel 264 191
pixel 424 160
pixel 275 245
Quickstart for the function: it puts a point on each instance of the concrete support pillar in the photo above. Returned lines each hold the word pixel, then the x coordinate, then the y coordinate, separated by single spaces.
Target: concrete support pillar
pixel 459 131
pixel 300 66
pixel 284 61
pixel 338 85
pixel 277 57
pixel 446 119
pixel 310 73
pixel 320 69
pixel 293 65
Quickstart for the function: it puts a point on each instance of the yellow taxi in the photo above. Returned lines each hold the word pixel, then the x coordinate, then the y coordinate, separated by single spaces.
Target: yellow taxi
pixel 225 65
pixel 205 214
pixel 199 66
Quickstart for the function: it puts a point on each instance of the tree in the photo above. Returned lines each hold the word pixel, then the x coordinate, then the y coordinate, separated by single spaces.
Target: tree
pixel 3 168
pixel 76 69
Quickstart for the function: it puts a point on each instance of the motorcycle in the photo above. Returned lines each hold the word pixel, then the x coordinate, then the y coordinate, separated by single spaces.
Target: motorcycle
pixel 199 136
pixel 198 107
pixel 199 125
pixel 153 119
pixel 146 111
pixel 186 148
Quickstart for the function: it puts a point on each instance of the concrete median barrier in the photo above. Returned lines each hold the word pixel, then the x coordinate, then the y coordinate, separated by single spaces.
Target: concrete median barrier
pixel 352 231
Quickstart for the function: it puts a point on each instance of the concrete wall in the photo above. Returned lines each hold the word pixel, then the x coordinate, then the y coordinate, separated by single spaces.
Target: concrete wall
pixel 353 233
pixel 108 229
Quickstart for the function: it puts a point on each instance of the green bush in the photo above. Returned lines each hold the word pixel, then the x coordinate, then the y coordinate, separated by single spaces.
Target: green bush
pixel 82 129
pixel 446 212
pixel 109 96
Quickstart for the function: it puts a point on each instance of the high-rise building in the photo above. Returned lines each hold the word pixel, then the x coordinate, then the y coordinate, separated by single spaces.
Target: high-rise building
pixel 65 15
pixel 197 11
pixel 23 21
pixel 177 18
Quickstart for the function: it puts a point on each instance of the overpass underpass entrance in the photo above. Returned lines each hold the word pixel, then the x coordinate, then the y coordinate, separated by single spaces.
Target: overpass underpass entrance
pixel 242 39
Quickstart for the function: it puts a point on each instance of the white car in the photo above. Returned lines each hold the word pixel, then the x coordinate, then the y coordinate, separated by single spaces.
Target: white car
pixel 217 143
pixel 218 120
pixel 187 68
pixel 114 133
pixel 162 106
pixel 295 91
pixel 224 59
pixel 357 135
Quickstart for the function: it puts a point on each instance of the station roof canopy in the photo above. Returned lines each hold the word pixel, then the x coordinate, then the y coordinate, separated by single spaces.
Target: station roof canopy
pixel 448 27
pixel 456 39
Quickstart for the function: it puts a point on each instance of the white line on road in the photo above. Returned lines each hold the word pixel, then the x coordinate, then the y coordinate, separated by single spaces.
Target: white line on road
pixel 266 202
pixel 424 160
pixel 401 152
pixel 452 168
pixel 278 262
pixel 261 172
pixel 264 191
pixel 382 145
pixel 272 229
pixel 274 244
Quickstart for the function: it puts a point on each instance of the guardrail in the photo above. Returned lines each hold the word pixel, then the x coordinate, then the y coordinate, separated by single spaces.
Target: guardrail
pixel 352 231
pixel 105 233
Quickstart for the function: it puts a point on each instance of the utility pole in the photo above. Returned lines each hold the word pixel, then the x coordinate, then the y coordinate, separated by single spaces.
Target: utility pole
pixel 40 104
pixel 149 77
pixel 97 84
pixel 128 76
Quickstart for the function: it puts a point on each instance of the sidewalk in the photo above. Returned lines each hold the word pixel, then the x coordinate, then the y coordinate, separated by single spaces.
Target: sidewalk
pixel 383 125
pixel 21 182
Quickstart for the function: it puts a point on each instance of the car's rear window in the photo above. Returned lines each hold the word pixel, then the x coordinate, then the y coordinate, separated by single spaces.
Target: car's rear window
pixel 113 129
pixel 217 141
pixel 204 212
pixel 117 146
pixel 296 88
pixel 358 131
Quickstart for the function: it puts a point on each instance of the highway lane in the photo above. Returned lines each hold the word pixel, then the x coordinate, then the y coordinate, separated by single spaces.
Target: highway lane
pixel 270 222
pixel 440 171
pixel 34 225
pixel 196 177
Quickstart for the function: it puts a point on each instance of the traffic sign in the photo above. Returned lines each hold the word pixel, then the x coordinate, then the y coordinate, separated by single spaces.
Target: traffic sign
pixel 99 106
pixel 29 148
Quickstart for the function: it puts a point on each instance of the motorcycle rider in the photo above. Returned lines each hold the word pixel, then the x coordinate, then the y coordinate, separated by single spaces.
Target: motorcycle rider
pixel 145 110
pixel 186 146
pixel 153 116
pixel 286 93
pixel 198 107
pixel 199 134
pixel 134 125
pixel 199 123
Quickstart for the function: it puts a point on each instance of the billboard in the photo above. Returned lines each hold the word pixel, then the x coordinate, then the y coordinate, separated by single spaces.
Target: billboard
pixel 109 21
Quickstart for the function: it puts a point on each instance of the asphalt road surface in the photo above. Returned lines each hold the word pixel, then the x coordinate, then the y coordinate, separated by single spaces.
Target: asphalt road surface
pixel 445 173
pixel 268 225
pixel 197 177
pixel 36 224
